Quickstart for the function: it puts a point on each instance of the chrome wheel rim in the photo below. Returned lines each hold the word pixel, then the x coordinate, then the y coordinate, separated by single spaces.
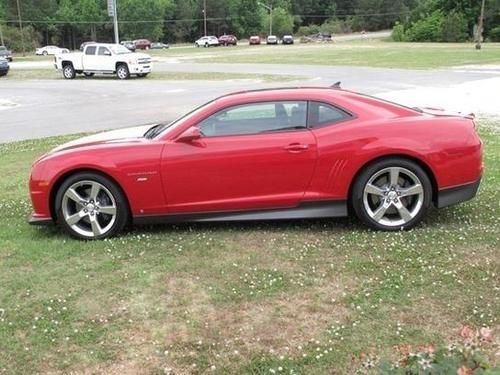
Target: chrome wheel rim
pixel 393 196
pixel 122 73
pixel 68 72
pixel 89 208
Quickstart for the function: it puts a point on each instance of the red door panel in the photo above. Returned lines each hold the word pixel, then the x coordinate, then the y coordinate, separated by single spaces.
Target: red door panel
pixel 238 172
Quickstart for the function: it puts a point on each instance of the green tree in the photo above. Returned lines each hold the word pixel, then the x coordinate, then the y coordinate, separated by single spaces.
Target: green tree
pixel 282 21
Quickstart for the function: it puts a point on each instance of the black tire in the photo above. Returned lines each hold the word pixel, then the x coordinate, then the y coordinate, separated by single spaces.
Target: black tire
pixel 68 71
pixel 122 210
pixel 88 74
pixel 122 72
pixel 45 53
pixel 418 204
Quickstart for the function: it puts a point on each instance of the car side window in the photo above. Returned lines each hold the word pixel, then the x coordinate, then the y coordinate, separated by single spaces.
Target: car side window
pixel 322 114
pixel 256 118
pixel 90 50
pixel 103 51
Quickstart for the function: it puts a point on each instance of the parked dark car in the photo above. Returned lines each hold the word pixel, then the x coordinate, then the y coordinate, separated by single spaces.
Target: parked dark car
pixel 4 66
pixel 254 39
pixel 159 45
pixel 5 53
pixel 228 40
pixel 82 46
pixel 287 39
pixel 142 44
pixel 128 44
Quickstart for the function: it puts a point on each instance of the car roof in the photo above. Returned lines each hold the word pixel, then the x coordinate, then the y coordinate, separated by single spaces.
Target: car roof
pixel 346 99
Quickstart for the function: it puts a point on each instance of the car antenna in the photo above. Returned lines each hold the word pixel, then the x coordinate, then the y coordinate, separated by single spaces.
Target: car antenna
pixel 336 85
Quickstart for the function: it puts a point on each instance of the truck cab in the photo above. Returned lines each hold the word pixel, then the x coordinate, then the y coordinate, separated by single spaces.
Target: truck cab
pixel 104 58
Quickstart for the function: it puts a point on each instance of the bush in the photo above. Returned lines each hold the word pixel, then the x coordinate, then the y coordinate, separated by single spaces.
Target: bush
pixel 454 28
pixel 398 32
pixel 308 30
pixel 331 26
pixel 428 29
pixel 494 34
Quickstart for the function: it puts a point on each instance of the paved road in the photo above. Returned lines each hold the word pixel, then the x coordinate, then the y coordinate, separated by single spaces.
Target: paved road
pixel 40 108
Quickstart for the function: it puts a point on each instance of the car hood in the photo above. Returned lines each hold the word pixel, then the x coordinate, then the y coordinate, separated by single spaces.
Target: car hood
pixel 113 136
pixel 140 55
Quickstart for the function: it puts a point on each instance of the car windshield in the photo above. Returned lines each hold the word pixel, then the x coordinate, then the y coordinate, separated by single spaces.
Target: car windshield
pixel 158 129
pixel 119 50
pixel 2 48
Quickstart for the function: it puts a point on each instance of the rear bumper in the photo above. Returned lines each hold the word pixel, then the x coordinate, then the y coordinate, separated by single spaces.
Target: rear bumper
pixel 454 195
pixel 39 220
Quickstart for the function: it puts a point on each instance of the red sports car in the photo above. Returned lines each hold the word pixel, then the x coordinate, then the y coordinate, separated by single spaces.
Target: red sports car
pixel 266 154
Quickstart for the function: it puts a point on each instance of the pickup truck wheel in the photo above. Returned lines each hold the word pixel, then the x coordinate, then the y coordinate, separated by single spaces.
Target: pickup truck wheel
pixel 69 71
pixel 122 71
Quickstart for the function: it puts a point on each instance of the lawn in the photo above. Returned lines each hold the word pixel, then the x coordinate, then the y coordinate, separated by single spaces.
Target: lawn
pixel 291 297
pixel 24 74
pixel 373 53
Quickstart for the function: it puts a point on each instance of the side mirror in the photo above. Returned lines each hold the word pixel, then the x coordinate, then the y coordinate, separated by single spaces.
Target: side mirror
pixel 191 134
pixel 107 53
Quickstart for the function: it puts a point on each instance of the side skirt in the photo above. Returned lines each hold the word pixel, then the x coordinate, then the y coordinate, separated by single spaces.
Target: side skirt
pixel 305 210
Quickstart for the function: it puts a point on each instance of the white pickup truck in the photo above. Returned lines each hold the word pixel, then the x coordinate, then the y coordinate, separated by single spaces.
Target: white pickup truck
pixel 105 59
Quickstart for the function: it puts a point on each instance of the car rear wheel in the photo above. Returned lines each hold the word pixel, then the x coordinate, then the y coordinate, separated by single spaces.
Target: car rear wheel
pixel 122 71
pixel 69 71
pixel 90 206
pixel 392 194
pixel 45 53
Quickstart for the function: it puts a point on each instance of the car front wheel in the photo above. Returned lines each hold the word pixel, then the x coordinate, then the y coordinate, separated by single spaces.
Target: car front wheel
pixel 122 71
pixel 69 71
pixel 392 194
pixel 90 206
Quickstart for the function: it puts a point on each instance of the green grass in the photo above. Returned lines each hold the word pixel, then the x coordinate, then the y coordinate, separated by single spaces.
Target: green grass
pixel 306 296
pixel 30 74
pixel 370 53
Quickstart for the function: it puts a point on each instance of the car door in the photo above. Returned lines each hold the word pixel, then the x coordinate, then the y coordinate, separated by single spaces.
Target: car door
pixel 104 60
pixel 90 59
pixel 251 156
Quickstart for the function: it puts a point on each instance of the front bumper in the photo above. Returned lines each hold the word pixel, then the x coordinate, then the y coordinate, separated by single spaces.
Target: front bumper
pixel 141 68
pixel 454 195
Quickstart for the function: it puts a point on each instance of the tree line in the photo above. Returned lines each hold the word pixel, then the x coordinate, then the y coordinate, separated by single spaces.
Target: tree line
pixel 67 23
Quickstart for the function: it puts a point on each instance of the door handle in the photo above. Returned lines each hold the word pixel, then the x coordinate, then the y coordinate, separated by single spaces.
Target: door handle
pixel 296 147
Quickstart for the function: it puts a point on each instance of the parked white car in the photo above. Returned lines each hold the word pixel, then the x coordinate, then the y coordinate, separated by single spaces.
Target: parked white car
pixel 272 39
pixel 207 41
pixel 105 59
pixel 50 50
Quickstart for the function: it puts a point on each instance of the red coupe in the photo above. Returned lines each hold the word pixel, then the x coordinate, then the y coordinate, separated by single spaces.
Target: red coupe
pixel 266 154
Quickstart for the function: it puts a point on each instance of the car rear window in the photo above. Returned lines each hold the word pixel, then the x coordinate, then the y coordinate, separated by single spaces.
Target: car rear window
pixel 90 50
pixel 322 114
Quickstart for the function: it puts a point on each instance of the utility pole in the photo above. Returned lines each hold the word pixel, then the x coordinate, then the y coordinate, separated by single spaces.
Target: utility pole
pixel 21 26
pixel 113 12
pixel 270 9
pixel 480 26
pixel 1 35
pixel 205 17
